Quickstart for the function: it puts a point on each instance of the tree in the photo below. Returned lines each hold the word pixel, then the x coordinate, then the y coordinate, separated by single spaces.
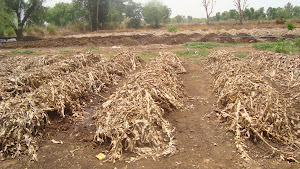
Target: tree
pixel 233 14
pixel 247 14
pixel 154 12
pixel 208 6
pixel 134 13
pixel 281 15
pixel 179 19
pixel 240 5
pixel 260 13
pixel 61 14
pixel 271 13
pixel 289 7
pixel 296 12
pixel 81 12
pixel 190 19
pixel 167 13
pixel 23 11
pixel 225 15
pixel 218 16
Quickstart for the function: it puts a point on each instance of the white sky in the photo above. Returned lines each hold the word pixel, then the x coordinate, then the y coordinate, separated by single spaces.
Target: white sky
pixel 194 8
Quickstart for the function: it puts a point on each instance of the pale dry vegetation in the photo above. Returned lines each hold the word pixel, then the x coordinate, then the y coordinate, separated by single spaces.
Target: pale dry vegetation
pixel 38 86
pixel 259 98
pixel 132 119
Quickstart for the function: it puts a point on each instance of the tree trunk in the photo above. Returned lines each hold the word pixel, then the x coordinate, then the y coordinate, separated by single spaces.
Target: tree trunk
pixel 207 21
pixel 241 19
pixel 97 14
pixel 19 33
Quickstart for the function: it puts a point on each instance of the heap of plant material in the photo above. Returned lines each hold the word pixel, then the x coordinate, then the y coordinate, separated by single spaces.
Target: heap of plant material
pixel 252 99
pixel 45 84
pixel 132 119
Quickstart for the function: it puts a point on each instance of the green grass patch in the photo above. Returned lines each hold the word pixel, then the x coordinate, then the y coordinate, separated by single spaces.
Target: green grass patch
pixel 241 55
pixel 148 55
pixel 92 48
pixel 108 55
pixel 22 51
pixel 281 46
pixel 66 50
pixel 265 45
pixel 207 44
pixel 193 55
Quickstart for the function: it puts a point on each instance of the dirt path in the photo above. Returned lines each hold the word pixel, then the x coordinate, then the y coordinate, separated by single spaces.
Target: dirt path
pixel 202 143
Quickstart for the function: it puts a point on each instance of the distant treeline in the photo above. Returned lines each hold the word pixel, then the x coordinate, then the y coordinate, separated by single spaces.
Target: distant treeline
pixel 17 16
pixel 279 14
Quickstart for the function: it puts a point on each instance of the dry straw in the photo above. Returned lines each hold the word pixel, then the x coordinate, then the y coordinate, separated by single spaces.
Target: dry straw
pixel 259 98
pixel 132 119
pixel 41 85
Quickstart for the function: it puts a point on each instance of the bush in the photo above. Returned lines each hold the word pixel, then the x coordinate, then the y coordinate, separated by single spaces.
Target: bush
pixel 297 42
pixel 10 32
pixel 2 32
pixel 172 28
pixel 134 23
pixel 290 25
pixel 282 46
pixel 51 29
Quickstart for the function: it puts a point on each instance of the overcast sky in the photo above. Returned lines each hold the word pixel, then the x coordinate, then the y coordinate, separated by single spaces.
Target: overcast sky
pixel 194 8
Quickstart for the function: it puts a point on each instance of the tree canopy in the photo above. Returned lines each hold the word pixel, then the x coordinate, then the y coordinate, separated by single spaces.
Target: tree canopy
pixel 21 10
pixel 155 12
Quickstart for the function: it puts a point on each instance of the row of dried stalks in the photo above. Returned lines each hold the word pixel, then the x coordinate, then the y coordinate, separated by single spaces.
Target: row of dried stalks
pixel 41 85
pixel 259 97
pixel 132 119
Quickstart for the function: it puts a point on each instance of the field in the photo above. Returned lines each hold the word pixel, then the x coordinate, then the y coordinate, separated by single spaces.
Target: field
pixel 152 99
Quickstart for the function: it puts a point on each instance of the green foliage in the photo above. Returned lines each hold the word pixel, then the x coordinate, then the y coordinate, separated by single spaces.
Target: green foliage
pixel 193 55
pixel 172 28
pixel 206 44
pixel 66 50
pixel 281 46
pixel 51 29
pixel 179 19
pixel 22 51
pixel 10 32
pixel 264 45
pixel 155 13
pixel 92 48
pixel 6 15
pixel 2 32
pixel 281 15
pixel 241 55
pixel 297 42
pixel 25 8
pixel 290 25
pixel 134 13
pixel 61 14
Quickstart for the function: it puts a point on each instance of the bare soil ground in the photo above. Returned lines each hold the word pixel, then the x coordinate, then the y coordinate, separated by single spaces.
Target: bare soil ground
pixel 203 141
pixel 153 37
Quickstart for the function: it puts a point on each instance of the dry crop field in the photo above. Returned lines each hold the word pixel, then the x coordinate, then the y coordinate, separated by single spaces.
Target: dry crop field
pixel 144 100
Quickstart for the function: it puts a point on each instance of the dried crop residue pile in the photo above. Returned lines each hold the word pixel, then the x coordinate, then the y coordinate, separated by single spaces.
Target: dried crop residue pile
pixel 251 99
pixel 50 84
pixel 132 118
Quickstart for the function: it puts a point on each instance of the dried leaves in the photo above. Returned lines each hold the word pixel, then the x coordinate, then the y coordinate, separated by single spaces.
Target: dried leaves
pixel 50 84
pixel 132 118
pixel 257 102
